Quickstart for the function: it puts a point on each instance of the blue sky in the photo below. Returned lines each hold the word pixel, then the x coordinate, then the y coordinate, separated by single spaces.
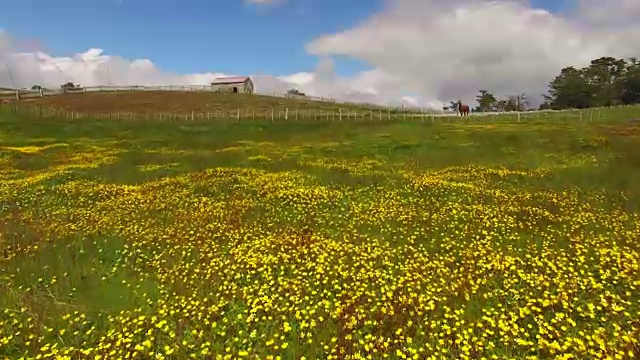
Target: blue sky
pixel 191 36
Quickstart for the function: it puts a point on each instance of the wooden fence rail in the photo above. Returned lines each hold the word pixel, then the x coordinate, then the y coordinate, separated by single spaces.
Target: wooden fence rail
pixel 624 113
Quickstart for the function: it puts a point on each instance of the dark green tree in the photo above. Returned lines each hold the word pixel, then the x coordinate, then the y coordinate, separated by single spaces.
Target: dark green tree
pixel 607 81
pixel 295 92
pixel 69 85
pixel 500 105
pixel 604 75
pixel 486 101
pixel 630 83
pixel 570 89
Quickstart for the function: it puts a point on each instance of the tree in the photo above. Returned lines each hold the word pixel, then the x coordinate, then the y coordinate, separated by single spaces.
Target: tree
pixel 630 83
pixel 606 81
pixel 486 101
pixel 69 85
pixel 36 87
pixel 604 75
pixel 546 105
pixel 511 103
pixel 295 92
pixel 504 105
pixel 570 89
pixel 522 102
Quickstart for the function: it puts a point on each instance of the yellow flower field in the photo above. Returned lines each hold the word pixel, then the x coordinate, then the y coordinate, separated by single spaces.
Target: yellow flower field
pixel 400 241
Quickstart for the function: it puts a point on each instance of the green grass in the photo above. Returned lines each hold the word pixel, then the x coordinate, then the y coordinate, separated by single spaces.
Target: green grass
pixel 224 104
pixel 446 239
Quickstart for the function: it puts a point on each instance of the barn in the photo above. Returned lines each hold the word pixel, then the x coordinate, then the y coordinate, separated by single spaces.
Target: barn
pixel 236 84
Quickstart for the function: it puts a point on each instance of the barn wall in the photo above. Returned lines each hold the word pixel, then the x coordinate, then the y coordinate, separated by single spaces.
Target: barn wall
pixel 242 87
pixel 249 86
pixel 227 87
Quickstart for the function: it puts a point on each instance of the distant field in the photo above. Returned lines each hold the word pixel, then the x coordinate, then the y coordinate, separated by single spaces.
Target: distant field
pixel 401 240
pixel 144 106
pixel 189 105
pixel 183 102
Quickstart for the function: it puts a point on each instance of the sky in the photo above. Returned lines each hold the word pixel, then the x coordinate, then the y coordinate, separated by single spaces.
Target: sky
pixel 414 52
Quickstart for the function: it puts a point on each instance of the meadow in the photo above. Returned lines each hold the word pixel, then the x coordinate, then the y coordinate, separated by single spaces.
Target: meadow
pixel 403 240
pixel 144 102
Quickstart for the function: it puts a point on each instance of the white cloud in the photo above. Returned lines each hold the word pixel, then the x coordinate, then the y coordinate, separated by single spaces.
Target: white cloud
pixel 606 13
pixel 90 68
pixel 421 52
pixel 94 68
pixel 450 49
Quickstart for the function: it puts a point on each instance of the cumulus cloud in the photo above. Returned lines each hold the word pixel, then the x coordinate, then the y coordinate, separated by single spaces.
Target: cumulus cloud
pixel 420 52
pixel 606 13
pixel 450 49
pixel 20 68
pixel 90 68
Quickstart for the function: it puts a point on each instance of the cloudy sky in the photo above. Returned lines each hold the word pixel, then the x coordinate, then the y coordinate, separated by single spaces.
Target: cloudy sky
pixel 420 52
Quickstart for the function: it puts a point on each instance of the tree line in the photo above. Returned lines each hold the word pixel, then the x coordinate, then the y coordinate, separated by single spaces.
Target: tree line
pixel 488 102
pixel 606 81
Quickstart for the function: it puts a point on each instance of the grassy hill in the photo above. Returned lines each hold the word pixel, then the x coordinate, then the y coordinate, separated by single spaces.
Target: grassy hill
pixel 185 102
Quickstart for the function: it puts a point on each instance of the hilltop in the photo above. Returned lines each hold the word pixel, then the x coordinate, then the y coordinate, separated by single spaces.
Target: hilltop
pixel 144 102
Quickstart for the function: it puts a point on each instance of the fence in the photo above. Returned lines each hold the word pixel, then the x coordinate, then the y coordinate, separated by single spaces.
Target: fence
pixel 620 113
pixel 18 94
pixel 272 115
pixel 7 94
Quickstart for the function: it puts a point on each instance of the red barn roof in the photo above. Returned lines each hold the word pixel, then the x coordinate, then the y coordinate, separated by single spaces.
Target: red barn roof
pixel 230 80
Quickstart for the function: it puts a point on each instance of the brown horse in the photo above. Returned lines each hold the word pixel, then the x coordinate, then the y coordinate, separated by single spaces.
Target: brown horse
pixel 463 109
